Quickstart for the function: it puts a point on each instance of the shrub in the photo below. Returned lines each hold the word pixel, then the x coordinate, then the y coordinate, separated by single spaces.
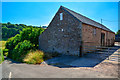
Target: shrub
pixel 37 57
pixel 21 50
pixel 31 34
pixel 19 45
pixel 5 52
pixel 9 44
pixel 34 57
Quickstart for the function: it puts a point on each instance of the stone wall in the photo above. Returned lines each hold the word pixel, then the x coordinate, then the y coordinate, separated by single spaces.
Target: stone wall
pixel 90 39
pixel 62 36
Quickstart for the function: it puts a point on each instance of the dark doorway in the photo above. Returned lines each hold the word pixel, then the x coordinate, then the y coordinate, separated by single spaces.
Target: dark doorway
pixel 80 51
pixel 102 39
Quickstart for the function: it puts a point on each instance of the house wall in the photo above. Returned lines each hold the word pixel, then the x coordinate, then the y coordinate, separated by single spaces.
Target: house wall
pixel 61 36
pixel 110 39
pixel 91 40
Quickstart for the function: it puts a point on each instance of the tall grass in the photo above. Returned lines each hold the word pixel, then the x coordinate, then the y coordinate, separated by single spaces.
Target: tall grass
pixel 2 46
pixel 37 57
pixel 34 57
pixel 1 56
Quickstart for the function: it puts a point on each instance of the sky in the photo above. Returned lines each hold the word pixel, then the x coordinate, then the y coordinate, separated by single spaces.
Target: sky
pixel 60 0
pixel 41 13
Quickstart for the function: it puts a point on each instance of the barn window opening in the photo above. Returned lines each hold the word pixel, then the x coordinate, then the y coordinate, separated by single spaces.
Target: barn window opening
pixel 94 31
pixel 62 29
pixel 67 51
pixel 53 49
pixel 61 16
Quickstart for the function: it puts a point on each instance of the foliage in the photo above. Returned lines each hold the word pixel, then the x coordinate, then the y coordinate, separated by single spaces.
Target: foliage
pixel 34 57
pixel 10 30
pixel 19 45
pixel 21 50
pixel 118 33
pixel 5 52
pixel 2 44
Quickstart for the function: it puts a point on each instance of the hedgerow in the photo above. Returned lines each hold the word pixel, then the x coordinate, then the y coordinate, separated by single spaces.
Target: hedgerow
pixel 19 45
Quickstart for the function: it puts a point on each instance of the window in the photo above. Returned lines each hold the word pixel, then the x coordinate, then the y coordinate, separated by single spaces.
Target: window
pixel 62 29
pixel 94 31
pixel 61 16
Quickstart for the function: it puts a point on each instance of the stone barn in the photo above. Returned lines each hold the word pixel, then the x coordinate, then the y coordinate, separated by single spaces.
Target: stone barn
pixel 69 32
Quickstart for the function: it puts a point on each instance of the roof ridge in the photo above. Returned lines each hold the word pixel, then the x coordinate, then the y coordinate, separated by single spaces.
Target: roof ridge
pixel 82 15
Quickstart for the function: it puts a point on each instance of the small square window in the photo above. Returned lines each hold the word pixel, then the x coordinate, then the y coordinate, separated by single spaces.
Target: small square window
pixel 61 16
pixel 62 29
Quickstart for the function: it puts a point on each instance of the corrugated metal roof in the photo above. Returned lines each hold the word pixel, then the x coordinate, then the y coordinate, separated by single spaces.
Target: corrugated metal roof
pixel 86 20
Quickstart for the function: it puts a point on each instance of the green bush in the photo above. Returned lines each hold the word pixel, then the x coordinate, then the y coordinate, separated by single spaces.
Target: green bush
pixel 5 52
pixel 31 34
pixel 9 44
pixel 21 50
pixel 19 45
pixel 10 30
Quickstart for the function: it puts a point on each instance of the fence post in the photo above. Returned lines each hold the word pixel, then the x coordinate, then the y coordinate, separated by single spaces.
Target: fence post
pixel 108 53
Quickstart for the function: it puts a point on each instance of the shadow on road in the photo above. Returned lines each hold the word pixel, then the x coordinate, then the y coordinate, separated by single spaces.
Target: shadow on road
pixel 12 61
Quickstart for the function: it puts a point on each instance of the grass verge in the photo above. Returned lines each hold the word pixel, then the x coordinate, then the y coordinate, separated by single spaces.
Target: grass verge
pixel 34 57
pixel 2 47
pixel 1 56
pixel 37 57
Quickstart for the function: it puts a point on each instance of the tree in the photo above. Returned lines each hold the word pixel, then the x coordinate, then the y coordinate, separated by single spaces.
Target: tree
pixel 8 23
pixel 10 30
pixel 4 31
pixel 18 45
pixel 12 26
pixel 118 32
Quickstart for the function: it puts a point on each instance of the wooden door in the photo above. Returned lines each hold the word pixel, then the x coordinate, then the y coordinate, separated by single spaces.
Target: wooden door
pixel 102 39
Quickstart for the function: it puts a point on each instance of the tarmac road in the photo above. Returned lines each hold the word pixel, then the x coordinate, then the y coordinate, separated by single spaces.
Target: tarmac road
pixel 15 70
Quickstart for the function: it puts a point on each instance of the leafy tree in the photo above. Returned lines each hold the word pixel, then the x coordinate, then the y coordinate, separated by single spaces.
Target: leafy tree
pixel 4 31
pixel 118 32
pixel 18 45
pixel 12 26
pixel 8 23
pixel 10 30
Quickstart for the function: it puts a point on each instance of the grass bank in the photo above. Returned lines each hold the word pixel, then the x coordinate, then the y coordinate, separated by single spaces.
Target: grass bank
pixel 1 55
pixel 2 46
